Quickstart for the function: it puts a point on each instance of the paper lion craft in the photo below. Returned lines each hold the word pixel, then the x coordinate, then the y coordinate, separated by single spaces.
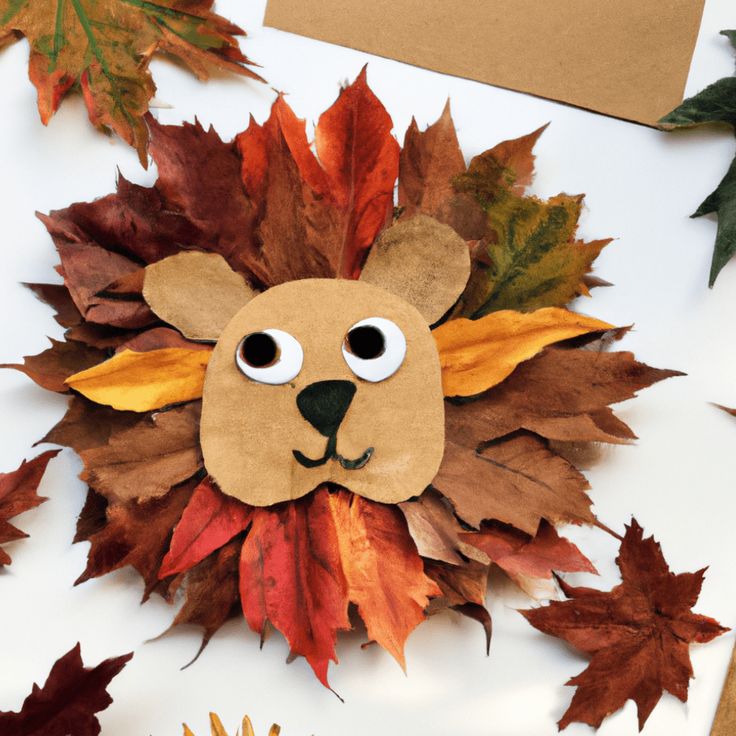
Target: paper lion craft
pixel 294 400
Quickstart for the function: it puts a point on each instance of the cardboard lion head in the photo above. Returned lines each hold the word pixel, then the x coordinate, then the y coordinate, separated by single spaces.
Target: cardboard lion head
pixel 321 380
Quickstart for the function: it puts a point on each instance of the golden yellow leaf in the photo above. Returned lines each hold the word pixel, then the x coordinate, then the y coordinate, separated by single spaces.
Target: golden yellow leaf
pixel 478 354
pixel 217 729
pixel 131 381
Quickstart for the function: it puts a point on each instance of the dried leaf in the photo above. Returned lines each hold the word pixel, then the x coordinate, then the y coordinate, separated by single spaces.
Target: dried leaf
pixel 211 592
pixel 361 159
pixel 637 635
pixel 68 701
pixel 525 558
pixel 246 729
pixel 384 574
pixel 517 480
pixel 210 520
pixel 53 366
pixel 147 459
pixel 105 48
pixel 137 534
pixel 140 382
pixel 291 574
pixel 562 395
pixel 18 494
pixel 476 355
pixel 531 259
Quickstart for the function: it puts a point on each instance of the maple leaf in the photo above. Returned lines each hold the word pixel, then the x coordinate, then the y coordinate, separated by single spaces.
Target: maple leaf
pixel 105 49
pixel 246 728
pixel 68 701
pixel 714 104
pixel 18 494
pixel 637 634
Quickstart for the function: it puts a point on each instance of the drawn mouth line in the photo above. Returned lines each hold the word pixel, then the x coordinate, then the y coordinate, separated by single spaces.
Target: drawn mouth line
pixel 332 454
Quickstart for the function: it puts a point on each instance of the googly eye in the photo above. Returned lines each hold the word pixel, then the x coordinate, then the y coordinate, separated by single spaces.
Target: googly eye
pixel 269 356
pixel 374 349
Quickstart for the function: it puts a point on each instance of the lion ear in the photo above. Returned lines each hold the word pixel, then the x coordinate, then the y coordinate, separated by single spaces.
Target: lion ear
pixel 423 261
pixel 198 293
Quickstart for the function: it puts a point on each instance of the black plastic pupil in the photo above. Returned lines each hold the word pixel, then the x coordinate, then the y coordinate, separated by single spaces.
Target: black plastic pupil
pixel 366 342
pixel 259 350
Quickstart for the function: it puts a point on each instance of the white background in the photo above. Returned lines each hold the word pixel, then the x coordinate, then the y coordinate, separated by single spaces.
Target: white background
pixel 679 479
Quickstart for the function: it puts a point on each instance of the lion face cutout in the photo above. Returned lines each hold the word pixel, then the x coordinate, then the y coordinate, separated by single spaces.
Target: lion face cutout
pixel 321 380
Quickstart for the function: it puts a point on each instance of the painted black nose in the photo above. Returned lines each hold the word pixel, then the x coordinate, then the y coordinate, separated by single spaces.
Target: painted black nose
pixel 324 404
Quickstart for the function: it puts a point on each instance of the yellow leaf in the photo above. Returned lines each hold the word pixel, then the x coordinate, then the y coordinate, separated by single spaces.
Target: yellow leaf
pixel 478 354
pixel 132 381
pixel 217 729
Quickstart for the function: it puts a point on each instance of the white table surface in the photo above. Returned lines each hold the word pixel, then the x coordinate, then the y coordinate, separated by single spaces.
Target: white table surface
pixel 679 480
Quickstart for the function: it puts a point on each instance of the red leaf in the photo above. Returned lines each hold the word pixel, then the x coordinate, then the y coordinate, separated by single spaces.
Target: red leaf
pixel 637 634
pixel 361 158
pixel 523 557
pixel 291 575
pixel 68 701
pixel 210 520
pixel 18 494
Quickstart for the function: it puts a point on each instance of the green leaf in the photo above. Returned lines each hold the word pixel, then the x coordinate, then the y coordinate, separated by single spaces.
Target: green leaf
pixel 715 104
pixel 723 202
pixel 532 258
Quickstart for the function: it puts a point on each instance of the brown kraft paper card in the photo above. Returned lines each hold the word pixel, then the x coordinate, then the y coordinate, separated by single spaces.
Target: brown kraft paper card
pixel 628 59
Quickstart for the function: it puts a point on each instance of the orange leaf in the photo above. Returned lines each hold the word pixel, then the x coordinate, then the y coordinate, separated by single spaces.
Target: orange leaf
pixel 384 573
pixel 478 354
pixel 361 159
pixel 140 382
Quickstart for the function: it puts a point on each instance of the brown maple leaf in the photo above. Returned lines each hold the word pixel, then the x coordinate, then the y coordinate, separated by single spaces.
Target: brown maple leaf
pixel 18 494
pixel 69 700
pixel 105 48
pixel 638 634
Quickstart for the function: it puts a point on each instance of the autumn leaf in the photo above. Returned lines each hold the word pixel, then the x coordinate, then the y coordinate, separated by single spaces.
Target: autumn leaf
pixel 136 534
pixel 53 366
pixel 246 728
pixel 211 595
pixel 146 459
pixel 68 701
pixel 340 196
pixel 18 494
pixel 532 259
pixel 384 573
pixel 478 354
pixel 291 575
pixel 105 49
pixel 516 479
pixel 714 104
pixel 527 559
pixel 584 383
pixel 131 381
pixel 637 634
pixel 210 520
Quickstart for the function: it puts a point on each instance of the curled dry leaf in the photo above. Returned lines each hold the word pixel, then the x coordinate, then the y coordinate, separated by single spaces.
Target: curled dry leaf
pixel 18 493
pixel 69 700
pixel 637 634
pixel 105 49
